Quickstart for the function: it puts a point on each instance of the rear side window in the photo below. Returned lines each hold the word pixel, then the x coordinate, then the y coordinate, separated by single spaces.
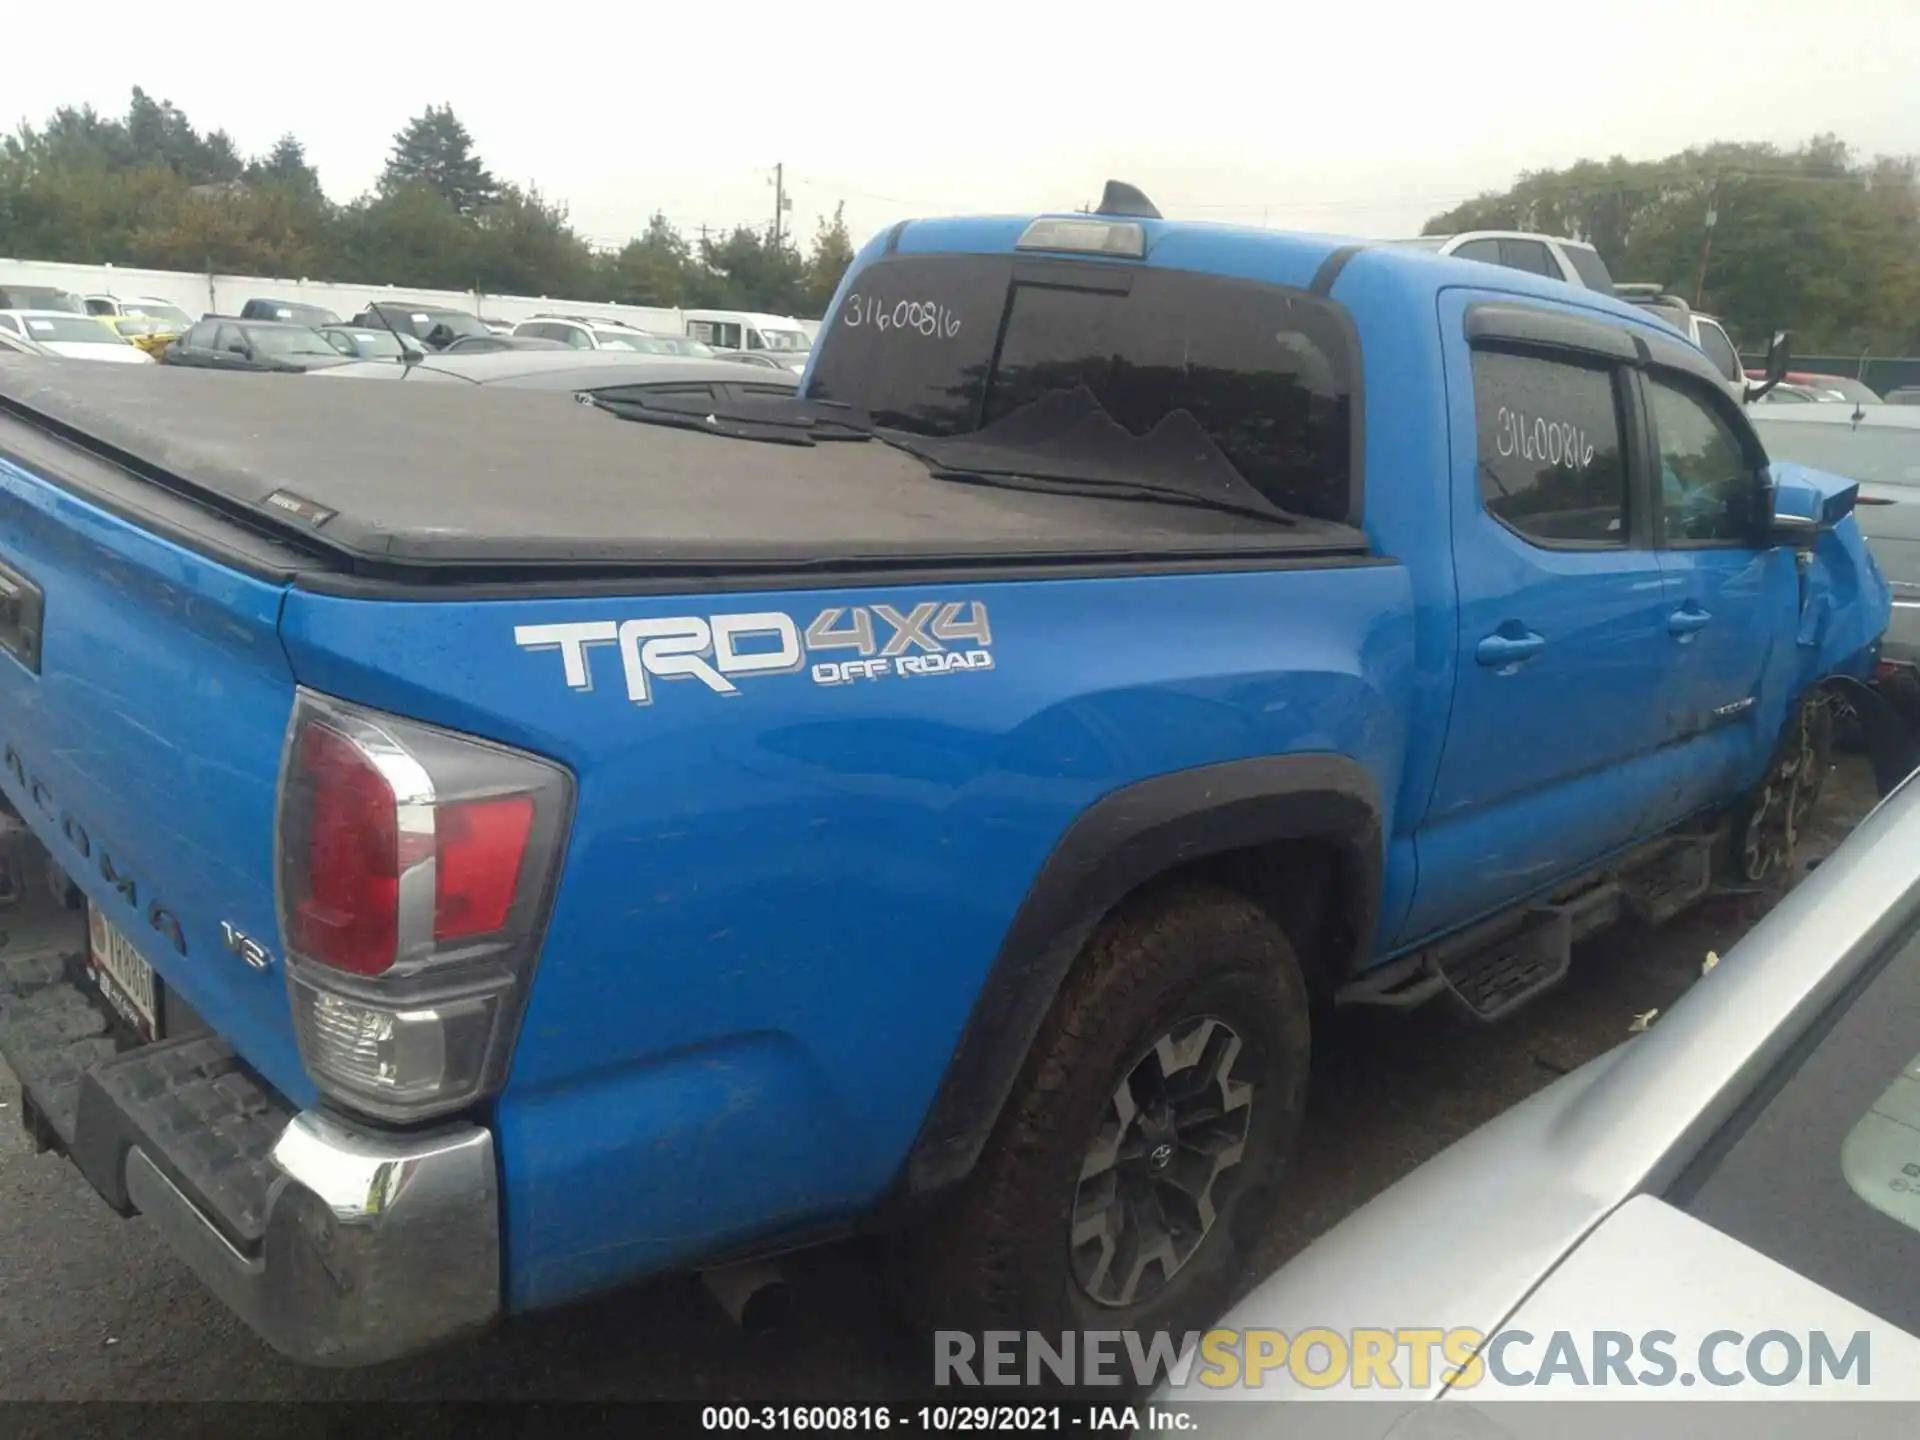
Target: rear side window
pixel 1487 252
pixel 1719 350
pixel 943 345
pixel 1530 256
pixel 1591 269
pixel 1551 466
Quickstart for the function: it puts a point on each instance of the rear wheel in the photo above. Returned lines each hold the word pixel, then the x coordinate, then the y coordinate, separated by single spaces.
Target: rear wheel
pixel 1136 1167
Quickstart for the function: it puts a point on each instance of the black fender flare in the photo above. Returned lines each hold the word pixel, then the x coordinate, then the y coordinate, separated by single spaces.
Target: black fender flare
pixel 1120 843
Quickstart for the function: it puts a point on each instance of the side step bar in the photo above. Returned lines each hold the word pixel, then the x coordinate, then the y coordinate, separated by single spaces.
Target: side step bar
pixel 1493 968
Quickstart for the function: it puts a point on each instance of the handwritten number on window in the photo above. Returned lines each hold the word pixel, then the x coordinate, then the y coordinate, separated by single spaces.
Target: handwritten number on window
pixel 917 317
pixel 1534 437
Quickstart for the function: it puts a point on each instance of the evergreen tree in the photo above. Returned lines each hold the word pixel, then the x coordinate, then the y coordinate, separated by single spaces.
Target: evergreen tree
pixel 435 150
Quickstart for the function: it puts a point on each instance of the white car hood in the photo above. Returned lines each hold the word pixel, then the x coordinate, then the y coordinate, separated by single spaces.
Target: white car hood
pixel 1652 1267
pixel 99 350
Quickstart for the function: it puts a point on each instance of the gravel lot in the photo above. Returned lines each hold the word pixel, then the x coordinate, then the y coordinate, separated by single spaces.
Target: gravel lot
pixel 94 1308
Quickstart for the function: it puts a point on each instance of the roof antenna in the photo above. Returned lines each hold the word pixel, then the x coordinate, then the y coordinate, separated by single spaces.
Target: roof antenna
pixel 1120 198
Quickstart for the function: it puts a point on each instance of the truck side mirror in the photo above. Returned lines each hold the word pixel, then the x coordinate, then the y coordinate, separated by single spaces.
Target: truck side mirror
pixel 1806 503
pixel 1794 532
pixel 1779 360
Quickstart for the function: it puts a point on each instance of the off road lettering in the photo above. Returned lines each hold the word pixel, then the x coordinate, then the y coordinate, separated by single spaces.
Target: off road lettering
pixel 932 637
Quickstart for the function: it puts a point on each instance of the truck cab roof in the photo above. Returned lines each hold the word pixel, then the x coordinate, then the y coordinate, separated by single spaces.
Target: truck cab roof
pixel 1278 257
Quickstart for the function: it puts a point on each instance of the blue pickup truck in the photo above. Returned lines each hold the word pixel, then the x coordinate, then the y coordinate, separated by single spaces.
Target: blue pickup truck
pixel 529 845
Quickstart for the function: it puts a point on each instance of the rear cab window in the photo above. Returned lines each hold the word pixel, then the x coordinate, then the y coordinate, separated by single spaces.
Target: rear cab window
pixel 943 345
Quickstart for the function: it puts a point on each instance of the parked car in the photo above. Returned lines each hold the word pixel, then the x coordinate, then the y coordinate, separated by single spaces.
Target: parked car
pixel 291 312
pixel 76 336
pixel 1845 386
pixel 601 840
pixel 1829 387
pixel 12 344
pixel 143 306
pixel 1878 446
pixel 435 326
pixel 227 343
pixel 491 344
pixel 1905 395
pixel 1741 1176
pixel 1703 330
pixel 359 342
pixel 684 345
pixel 152 336
pixel 42 298
pixel 766 359
pixel 1790 394
pixel 1574 261
pixel 558 367
pixel 746 330
pixel 582 332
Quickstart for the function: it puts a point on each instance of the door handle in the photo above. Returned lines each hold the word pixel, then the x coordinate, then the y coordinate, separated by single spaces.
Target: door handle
pixel 1498 649
pixel 1687 621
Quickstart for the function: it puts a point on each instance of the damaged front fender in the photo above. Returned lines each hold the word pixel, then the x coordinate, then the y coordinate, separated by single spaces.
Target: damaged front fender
pixel 1845 602
pixel 1845 607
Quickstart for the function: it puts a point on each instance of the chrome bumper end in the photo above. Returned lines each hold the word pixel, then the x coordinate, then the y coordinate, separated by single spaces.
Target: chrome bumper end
pixel 376 1245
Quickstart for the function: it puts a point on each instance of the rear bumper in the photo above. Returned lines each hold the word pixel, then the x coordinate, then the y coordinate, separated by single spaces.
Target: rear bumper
pixel 339 1244
pixel 375 1246
pixel 1901 644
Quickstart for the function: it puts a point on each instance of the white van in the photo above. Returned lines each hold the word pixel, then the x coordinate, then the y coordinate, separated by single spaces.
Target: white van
pixel 745 330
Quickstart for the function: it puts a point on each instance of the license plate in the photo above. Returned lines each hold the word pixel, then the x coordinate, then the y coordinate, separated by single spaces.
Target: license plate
pixel 123 977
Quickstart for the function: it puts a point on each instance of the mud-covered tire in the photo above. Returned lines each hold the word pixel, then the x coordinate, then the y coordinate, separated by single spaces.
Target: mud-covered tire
pixel 997 1255
pixel 1758 848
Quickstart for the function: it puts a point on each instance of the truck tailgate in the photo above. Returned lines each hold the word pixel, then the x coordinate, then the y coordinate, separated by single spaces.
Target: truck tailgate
pixel 142 745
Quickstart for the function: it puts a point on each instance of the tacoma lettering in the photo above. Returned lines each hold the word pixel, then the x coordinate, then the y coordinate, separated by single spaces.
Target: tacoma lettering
pixel 159 918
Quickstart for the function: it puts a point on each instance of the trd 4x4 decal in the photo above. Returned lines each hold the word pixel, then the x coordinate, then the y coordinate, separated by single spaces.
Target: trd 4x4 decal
pixel 933 638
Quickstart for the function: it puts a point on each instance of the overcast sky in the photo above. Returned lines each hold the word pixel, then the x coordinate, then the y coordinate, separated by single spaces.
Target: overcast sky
pixel 1350 118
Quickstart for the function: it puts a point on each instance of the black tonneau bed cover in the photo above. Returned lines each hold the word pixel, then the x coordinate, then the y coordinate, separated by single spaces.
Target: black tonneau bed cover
pixel 387 477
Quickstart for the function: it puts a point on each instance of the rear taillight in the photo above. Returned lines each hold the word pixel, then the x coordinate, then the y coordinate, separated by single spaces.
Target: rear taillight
pixel 415 870
pixel 481 846
pixel 343 895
